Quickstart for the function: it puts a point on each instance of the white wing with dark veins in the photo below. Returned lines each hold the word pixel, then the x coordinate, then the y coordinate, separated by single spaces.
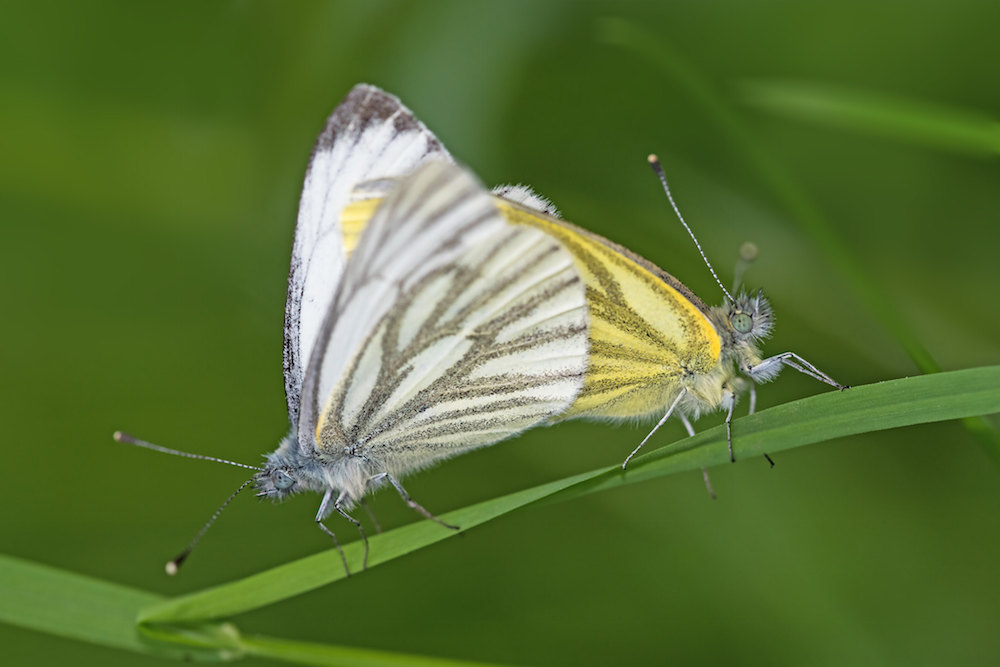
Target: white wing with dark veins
pixel 369 136
pixel 451 329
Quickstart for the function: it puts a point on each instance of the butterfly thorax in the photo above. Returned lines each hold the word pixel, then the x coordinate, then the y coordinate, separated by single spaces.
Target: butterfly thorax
pixel 292 469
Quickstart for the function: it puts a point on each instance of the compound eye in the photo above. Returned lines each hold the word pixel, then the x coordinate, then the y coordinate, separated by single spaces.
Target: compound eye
pixel 282 480
pixel 742 322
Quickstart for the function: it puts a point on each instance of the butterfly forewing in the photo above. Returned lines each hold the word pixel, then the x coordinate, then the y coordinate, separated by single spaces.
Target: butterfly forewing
pixel 369 135
pixel 451 329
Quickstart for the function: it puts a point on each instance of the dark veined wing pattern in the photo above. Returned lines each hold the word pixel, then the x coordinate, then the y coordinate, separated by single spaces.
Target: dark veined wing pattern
pixel 648 331
pixel 452 329
pixel 369 135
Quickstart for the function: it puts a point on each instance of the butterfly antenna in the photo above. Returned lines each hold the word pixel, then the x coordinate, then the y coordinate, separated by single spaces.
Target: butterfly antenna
pixel 132 440
pixel 174 565
pixel 654 162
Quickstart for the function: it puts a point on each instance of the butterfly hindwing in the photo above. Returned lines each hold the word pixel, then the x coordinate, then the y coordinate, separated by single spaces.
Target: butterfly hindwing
pixel 451 329
pixel 648 331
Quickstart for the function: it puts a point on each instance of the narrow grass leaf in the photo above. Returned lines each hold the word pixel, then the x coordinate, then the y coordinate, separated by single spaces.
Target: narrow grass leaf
pixel 322 568
pixel 911 121
pixel 304 653
pixel 47 599
pixel 874 407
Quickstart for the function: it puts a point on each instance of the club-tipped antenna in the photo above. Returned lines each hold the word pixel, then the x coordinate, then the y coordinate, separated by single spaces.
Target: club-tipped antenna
pixel 119 436
pixel 174 565
pixel 654 162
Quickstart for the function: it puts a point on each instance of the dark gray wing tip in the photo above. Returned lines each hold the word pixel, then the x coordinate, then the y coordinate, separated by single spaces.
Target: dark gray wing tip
pixel 366 106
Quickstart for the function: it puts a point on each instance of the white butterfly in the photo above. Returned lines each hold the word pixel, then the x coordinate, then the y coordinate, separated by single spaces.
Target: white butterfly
pixel 447 328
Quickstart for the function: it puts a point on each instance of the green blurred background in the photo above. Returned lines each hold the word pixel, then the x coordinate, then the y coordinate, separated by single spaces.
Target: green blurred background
pixel 152 155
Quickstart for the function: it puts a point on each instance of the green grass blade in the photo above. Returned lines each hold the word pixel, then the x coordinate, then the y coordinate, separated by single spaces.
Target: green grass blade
pixel 917 400
pixel 46 599
pixel 228 643
pixel 911 121
pixel 875 407
pixel 50 600
pixel 304 653
pixel 322 568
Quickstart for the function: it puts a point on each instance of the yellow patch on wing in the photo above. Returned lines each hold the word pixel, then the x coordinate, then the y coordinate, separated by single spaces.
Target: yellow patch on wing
pixel 649 334
pixel 353 219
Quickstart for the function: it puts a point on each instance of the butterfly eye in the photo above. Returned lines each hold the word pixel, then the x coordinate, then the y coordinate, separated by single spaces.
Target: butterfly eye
pixel 742 322
pixel 282 480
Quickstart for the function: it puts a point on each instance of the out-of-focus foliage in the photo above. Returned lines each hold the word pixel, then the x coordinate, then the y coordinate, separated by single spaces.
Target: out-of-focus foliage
pixel 149 172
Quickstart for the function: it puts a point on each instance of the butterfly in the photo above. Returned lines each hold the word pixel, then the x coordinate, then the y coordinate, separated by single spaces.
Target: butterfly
pixel 426 317
pixel 655 349
pixel 443 327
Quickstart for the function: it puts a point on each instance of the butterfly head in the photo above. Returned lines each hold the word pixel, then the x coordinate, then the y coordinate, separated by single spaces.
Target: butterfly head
pixel 750 317
pixel 746 320
pixel 276 482
pixel 284 472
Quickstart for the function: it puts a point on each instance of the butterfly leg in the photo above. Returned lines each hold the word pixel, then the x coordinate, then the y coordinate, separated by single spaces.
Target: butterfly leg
pixel 704 471
pixel 655 428
pixel 753 408
pixel 339 507
pixel 410 501
pixel 769 368
pixel 729 422
pixel 324 510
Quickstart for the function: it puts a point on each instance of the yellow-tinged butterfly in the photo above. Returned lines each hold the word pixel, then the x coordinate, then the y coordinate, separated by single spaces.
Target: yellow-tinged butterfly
pixel 442 328
pixel 655 348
